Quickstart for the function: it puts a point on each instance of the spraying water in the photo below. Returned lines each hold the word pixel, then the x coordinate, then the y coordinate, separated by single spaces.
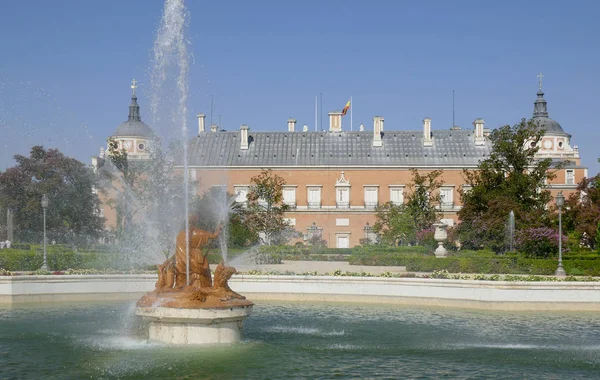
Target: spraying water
pixel 170 50
pixel 511 231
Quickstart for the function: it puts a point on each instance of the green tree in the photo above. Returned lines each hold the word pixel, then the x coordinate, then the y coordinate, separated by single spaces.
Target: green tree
pixel 265 208
pixel 148 198
pixel 582 212
pixel 73 212
pixel 424 201
pixel 511 178
pixel 394 224
pixel 210 208
pixel 399 224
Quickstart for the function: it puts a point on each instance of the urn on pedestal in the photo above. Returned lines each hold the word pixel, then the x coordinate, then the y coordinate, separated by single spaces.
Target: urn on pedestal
pixel 440 235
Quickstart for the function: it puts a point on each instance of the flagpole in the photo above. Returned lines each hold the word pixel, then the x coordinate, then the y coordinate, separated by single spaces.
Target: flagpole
pixel 316 113
pixel 351 106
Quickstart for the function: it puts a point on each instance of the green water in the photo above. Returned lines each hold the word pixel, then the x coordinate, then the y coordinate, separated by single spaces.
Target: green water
pixel 305 341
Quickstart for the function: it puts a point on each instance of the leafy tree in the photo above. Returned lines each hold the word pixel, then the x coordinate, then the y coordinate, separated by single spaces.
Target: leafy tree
pixel 265 209
pixel 148 199
pixel 582 211
pixel 394 224
pixel 73 212
pixel 511 178
pixel 399 224
pixel 212 206
pixel 123 175
pixel 424 200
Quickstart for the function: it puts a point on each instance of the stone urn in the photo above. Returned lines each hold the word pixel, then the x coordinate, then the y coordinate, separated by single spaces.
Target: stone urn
pixel 440 235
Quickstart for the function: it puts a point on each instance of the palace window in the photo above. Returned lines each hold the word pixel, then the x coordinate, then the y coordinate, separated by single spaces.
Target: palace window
pixel 342 192
pixel 342 198
pixel 314 196
pixel 342 240
pixel 241 194
pixel 570 177
pixel 289 196
pixel 447 196
pixel 371 195
pixel 397 194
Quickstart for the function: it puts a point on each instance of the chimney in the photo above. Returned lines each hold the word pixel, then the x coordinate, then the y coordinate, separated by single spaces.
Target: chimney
pixel 291 125
pixel 214 127
pixel 335 121
pixel 244 134
pixel 377 130
pixel 479 137
pixel 201 118
pixel 427 141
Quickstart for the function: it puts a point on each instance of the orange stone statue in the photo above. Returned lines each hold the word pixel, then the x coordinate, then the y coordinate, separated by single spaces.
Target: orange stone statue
pixel 171 289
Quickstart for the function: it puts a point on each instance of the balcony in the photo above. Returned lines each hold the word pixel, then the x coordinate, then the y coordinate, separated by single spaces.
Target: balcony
pixel 290 204
pixel 371 205
pixel 342 205
pixel 447 206
pixel 314 205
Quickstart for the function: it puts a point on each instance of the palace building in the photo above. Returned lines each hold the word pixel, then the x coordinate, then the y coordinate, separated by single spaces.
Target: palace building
pixel 336 178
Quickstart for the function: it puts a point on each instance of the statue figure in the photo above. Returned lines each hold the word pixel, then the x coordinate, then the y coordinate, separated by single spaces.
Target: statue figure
pixel 198 245
pixel 175 267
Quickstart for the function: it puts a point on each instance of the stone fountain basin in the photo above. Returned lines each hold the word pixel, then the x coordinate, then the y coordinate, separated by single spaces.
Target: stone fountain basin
pixel 195 326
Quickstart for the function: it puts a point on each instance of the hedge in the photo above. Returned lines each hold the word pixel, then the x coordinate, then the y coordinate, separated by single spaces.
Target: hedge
pixel 491 265
pixel 60 259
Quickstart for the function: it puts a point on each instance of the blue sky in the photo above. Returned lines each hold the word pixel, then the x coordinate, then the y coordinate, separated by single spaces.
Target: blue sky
pixel 66 66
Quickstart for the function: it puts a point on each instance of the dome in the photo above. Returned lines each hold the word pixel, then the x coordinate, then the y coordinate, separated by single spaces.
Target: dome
pixel 550 126
pixel 541 119
pixel 133 128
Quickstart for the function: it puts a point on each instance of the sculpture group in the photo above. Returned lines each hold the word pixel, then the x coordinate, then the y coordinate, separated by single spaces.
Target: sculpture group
pixel 203 291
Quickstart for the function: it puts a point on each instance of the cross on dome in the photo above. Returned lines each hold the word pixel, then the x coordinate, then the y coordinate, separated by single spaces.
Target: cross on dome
pixel 133 86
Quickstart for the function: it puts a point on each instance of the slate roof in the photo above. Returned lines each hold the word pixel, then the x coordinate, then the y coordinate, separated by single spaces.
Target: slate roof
pixel 268 149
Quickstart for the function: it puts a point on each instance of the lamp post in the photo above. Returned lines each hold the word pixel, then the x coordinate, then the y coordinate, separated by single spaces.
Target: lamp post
pixel 560 201
pixel 44 206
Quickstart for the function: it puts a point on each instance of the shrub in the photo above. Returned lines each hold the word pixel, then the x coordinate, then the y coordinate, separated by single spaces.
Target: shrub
pixel 425 238
pixel 25 247
pixel 539 242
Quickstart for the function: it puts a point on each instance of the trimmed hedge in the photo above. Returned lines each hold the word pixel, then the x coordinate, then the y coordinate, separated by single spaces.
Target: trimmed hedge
pixel 62 258
pixel 513 264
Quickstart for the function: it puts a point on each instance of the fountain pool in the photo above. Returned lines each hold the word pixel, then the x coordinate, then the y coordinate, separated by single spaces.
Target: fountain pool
pixel 299 340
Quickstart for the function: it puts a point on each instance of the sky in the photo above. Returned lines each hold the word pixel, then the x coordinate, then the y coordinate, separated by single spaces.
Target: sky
pixel 66 66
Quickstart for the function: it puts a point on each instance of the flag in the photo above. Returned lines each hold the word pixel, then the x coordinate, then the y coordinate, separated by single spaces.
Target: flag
pixel 346 108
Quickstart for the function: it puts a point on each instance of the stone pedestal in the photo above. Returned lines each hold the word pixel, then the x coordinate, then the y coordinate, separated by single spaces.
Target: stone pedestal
pixel 195 326
pixel 440 236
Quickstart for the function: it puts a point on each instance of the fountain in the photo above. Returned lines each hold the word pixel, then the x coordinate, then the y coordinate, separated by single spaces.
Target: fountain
pixel 510 227
pixel 205 312
pixel 188 305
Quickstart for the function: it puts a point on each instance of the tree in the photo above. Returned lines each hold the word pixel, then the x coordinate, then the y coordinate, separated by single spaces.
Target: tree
pixel 511 178
pixel 214 206
pixel 399 224
pixel 423 204
pixel 582 211
pixel 148 196
pixel 394 224
pixel 73 213
pixel 265 208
